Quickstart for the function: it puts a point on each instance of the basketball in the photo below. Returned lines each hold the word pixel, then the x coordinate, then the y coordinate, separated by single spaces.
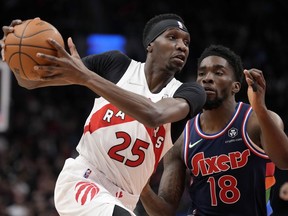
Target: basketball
pixel 29 38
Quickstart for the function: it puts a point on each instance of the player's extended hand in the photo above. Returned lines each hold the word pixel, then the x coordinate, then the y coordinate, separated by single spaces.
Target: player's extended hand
pixel 66 67
pixel 256 87
pixel 6 30
pixel 283 192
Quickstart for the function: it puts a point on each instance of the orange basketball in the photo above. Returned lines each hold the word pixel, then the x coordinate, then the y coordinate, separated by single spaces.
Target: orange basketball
pixel 29 38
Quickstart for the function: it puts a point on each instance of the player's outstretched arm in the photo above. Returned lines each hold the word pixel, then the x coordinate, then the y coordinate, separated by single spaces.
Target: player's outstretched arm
pixel 171 186
pixel 70 69
pixel 271 136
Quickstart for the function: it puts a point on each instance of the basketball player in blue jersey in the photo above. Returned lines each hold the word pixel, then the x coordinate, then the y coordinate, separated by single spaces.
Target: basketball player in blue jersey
pixel 227 148
pixel 141 111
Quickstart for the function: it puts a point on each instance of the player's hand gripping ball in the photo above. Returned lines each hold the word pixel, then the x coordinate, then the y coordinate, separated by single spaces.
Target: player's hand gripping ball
pixel 29 38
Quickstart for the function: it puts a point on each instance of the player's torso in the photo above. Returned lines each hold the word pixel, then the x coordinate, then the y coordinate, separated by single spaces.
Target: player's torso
pixel 120 146
pixel 228 177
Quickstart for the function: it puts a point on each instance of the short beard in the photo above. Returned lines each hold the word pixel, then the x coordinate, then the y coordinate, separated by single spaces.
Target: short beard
pixel 212 104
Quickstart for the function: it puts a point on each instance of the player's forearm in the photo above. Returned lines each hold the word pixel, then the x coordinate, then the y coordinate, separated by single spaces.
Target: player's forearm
pixel 274 139
pixel 155 205
pixel 132 104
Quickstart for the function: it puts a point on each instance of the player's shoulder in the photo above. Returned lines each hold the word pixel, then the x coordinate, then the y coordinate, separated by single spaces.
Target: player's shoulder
pixel 115 54
pixel 111 55
pixel 106 62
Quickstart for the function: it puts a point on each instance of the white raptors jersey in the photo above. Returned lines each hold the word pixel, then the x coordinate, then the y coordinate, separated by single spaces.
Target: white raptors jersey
pixel 126 151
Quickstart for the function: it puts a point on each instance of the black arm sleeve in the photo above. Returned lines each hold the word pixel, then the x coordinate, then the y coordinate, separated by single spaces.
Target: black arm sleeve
pixel 195 95
pixel 110 65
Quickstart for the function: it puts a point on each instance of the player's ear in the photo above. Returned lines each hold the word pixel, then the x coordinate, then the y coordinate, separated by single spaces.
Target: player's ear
pixel 149 48
pixel 236 87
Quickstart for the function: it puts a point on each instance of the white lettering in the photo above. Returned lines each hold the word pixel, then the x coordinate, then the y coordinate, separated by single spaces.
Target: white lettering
pixel 120 114
pixel 159 141
pixel 108 115
pixel 156 131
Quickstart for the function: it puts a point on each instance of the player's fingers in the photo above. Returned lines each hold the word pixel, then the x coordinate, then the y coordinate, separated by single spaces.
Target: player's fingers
pixel 2 54
pixel 6 30
pixel 72 48
pixel 255 70
pixel 2 49
pixel 62 53
pixel 55 44
pixel 49 60
pixel 258 77
pixel 249 77
pixel 250 80
pixel 15 22
pixel 46 71
pixel 256 74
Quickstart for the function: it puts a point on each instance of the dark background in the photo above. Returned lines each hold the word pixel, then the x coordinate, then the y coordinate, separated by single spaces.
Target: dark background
pixel 46 124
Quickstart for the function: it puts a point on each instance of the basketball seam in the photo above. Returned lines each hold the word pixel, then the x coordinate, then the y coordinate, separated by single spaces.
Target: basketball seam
pixel 24 47
pixel 20 47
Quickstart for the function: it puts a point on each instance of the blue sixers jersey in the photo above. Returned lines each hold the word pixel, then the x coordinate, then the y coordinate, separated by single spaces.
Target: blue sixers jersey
pixel 227 169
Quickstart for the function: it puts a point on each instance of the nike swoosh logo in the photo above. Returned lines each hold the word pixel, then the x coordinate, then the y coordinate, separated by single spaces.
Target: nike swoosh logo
pixel 195 143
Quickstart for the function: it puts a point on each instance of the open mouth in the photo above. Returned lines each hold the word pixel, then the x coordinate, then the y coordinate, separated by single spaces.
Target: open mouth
pixel 181 57
pixel 209 90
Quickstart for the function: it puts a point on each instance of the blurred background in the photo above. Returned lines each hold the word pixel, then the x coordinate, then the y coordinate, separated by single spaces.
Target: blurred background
pixel 41 128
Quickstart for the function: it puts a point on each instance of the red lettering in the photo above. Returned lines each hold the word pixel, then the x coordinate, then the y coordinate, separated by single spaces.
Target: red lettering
pixel 195 161
pixel 244 158
pixel 216 164
pixel 211 162
pixel 222 162
pixel 233 159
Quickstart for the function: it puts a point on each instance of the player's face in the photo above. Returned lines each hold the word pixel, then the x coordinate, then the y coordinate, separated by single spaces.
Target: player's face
pixel 216 76
pixel 171 48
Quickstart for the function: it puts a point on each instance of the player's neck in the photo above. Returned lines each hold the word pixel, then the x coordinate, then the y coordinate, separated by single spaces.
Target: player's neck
pixel 157 80
pixel 215 120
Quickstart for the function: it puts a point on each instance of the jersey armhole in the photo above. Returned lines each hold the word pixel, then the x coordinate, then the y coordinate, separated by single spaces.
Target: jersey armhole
pixel 255 149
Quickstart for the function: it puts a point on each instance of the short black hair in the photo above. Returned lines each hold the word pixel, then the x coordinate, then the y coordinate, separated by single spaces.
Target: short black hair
pixel 156 19
pixel 231 57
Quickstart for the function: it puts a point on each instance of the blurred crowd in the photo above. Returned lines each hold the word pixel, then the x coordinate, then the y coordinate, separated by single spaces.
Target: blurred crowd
pixel 46 124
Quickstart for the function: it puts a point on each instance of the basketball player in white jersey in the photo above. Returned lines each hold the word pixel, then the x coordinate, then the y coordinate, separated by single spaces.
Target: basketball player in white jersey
pixel 139 111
